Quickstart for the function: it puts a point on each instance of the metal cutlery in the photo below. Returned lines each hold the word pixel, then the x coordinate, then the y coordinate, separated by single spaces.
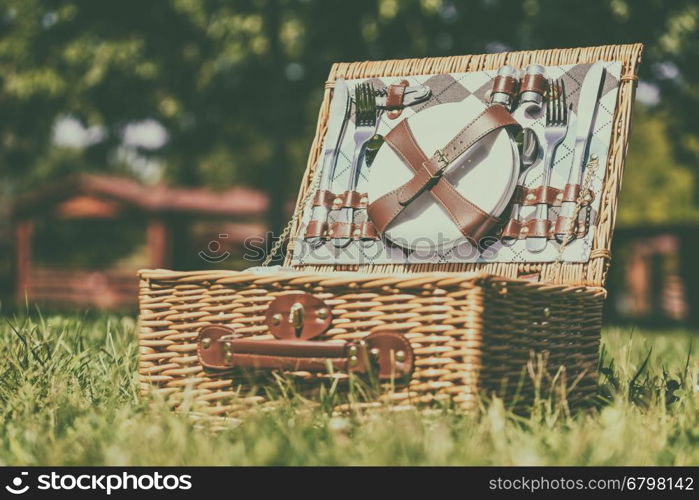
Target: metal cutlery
pixel 365 128
pixel 588 104
pixel 337 124
pixel 554 133
pixel 530 153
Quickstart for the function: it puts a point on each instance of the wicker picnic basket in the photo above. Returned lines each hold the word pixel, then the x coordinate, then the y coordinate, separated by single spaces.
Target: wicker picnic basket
pixel 456 332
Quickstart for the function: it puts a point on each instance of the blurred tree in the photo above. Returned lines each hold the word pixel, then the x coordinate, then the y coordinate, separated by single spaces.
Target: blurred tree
pixel 656 188
pixel 236 85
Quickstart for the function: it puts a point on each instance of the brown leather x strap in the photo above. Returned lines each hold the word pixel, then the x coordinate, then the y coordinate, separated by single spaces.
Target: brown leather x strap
pixel 471 220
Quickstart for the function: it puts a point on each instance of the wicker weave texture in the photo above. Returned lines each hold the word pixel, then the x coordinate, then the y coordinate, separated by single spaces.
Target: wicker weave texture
pixel 472 334
pixel 592 273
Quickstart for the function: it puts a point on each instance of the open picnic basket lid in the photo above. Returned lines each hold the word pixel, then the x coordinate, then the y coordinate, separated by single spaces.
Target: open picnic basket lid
pixel 591 270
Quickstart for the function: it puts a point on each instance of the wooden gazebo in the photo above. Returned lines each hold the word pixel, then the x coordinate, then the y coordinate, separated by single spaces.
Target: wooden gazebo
pixel 161 208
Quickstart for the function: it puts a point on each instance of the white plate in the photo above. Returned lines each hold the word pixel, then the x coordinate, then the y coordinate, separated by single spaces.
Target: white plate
pixel 486 174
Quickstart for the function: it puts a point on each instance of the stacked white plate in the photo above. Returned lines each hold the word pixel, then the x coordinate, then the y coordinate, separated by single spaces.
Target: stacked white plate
pixel 486 175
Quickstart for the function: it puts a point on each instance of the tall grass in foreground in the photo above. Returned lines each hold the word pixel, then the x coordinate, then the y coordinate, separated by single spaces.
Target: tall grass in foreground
pixel 68 395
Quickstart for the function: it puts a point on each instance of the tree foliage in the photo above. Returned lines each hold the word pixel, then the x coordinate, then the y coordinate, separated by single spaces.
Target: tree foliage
pixel 237 84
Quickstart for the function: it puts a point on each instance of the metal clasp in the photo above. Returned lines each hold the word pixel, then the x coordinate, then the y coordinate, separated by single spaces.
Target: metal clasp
pixel 443 160
pixel 296 316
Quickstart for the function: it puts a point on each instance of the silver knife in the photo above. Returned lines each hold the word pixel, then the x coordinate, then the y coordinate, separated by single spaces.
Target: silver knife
pixel 588 103
pixel 337 123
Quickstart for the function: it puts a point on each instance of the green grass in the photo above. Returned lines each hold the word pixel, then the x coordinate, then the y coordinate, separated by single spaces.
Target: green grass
pixel 68 395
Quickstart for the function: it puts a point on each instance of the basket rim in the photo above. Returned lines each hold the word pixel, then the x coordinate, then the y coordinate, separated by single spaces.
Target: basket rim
pixel 362 279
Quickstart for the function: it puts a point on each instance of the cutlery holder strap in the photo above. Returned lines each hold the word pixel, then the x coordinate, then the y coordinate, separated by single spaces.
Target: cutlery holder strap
pixel 534 228
pixel 471 220
pixel 571 192
pixel 571 226
pixel 538 228
pixel 541 194
pixel 316 229
pixel 354 230
pixel 388 355
pixel 348 199
pixel 533 83
pixel 505 85
pixel 394 99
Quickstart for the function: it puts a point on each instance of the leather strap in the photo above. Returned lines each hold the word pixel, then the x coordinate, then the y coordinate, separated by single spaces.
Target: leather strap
pixel 354 200
pixel 563 225
pixel 354 230
pixel 534 228
pixel 316 229
pixel 533 83
pixel 542 194
pixel 505 85
pixel 470 220
pixel 552 196
pixel 348 199
pixel 394 99
pixel 364 231
pixel 538 228
pixel 386 354
pixel 324 198
pixel 571 192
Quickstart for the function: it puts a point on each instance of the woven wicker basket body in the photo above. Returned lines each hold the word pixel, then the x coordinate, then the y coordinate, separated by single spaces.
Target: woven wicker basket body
pixel 475 329
pixel 470 332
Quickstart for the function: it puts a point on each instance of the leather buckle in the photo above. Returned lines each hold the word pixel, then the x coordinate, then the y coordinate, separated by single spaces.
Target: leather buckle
pixel 443 160
pixel 437 175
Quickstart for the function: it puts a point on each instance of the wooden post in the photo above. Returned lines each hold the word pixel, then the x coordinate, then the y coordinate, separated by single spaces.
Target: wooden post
pixel 23 248
pixel 158 242
pixel 689 265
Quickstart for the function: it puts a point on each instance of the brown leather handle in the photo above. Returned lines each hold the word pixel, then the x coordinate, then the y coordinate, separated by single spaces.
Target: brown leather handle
pixel 385 354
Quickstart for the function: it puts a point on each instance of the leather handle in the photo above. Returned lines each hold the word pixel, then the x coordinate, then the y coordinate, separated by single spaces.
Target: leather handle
pixel 385 354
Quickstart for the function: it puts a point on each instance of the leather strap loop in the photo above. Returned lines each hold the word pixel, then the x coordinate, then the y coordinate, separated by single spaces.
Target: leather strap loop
pixel 565 225
pixel 324 198
pixel 348 199
pixel 505 85
pixel 316 229
pixel 571 192
pixel 511 230
pixel 355 230
pixel 534 228
pixel 364 231
pixel 340 230
pixel 533 83
pixel 355 200
pixel 538 228
pixel 541 194
pixel 394 99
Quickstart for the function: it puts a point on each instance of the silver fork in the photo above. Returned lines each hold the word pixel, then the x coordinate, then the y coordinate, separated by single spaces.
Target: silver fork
pixel 364 128
pixel 554 133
